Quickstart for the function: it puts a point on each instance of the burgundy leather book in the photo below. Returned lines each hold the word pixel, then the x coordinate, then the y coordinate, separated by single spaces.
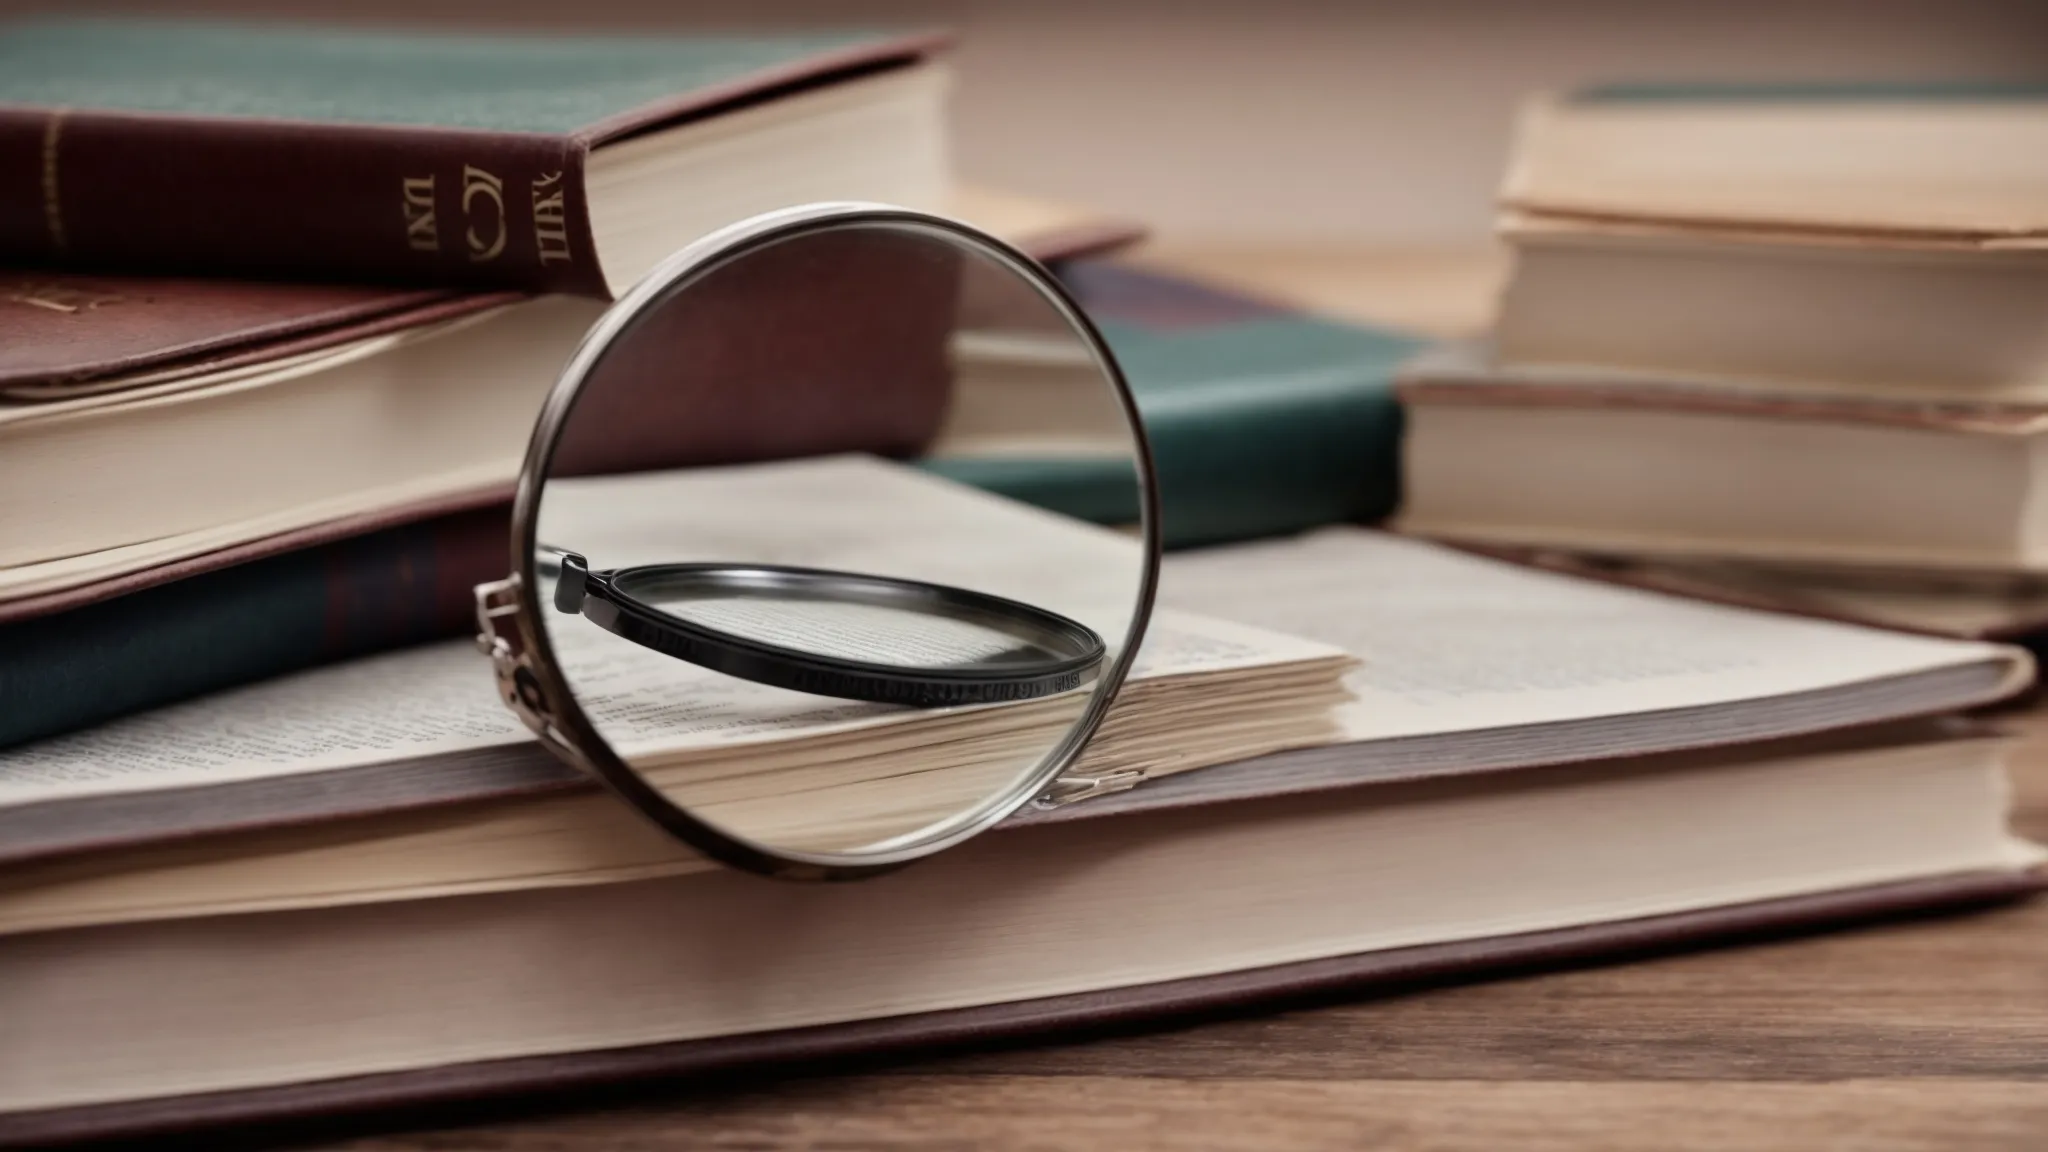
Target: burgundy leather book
pixel 516 161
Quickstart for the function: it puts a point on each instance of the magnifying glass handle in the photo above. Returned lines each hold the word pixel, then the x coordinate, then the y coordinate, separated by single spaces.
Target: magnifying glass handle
pixel 570 585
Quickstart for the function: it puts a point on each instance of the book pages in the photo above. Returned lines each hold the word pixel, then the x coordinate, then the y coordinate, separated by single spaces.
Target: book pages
pixel 440 698
pixel 684 721
pixel 1451 642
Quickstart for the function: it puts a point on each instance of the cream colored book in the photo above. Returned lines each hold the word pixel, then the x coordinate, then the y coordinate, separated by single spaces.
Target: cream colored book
pixel 1944 161
pixel 1800 313
pixel 1829 238
pixel 139 469
pixel 1655 467
pixel 126 1028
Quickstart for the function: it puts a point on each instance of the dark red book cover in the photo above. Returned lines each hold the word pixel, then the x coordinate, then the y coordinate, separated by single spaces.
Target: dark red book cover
pixel 422 158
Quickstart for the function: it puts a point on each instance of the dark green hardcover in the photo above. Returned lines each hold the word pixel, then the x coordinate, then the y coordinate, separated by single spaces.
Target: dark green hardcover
pixel 1263 420
pixel 216 630
pixel 551 84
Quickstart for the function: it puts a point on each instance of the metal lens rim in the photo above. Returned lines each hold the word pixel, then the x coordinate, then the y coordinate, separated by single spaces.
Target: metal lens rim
pixel 1071 647
pixel 675 275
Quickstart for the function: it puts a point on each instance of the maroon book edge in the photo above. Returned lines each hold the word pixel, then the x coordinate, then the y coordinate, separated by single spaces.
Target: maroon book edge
pixel 1048 247
pixel 1385 971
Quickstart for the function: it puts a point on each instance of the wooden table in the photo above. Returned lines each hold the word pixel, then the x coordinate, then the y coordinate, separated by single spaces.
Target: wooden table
pixel 1931 1034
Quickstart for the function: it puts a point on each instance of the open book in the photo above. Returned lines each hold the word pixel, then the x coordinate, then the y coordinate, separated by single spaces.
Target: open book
pixel 1466 666
pixel 768 761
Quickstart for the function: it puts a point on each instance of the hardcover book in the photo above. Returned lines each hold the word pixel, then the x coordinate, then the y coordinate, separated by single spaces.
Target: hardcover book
pixel 1963 162
pixel 1643 466
pixel 536 163
pixel 423 402
pixel 1830 238
pixel 1263 419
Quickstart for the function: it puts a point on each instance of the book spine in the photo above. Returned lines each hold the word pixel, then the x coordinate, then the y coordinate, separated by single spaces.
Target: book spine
pixel 286 199
pixel 221 629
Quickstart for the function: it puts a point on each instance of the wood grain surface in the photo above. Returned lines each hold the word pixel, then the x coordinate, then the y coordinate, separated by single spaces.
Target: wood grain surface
pixel 1930 1034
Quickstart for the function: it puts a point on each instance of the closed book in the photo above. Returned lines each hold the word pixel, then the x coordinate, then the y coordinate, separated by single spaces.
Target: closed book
pixel 529 162
pixel 1962 161
pixel 89 636
pixel 405 424
pixel 1644 466
pixel 1263 420
pixel 240 623
pixel 1888 240
pixel 371 950
pixel 1810 311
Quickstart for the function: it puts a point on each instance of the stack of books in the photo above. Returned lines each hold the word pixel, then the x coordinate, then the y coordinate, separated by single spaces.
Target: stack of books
pixel 274 848
pixel 218 479
pixel 1781 344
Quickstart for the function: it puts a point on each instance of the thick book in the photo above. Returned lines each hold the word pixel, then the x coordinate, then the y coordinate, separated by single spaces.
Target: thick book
pixel 551 1069
pixel 1810 311
pixel 238 623
pixel 529 162
pixel 1173 899
pixel 1882 239
pixel 1263 419
pixel 1641 465
pixel 1966 162
pixel 1467 664
pixel 360 408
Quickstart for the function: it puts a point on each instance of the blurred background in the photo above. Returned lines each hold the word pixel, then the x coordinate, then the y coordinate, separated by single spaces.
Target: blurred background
pixel 1265 123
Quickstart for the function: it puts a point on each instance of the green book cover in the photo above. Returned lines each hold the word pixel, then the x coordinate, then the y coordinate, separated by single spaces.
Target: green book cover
pixel 1263 420
pixel 534 83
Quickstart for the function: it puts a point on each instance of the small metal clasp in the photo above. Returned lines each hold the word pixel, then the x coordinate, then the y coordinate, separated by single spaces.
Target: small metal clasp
pixel 518 687
pixel 1068 789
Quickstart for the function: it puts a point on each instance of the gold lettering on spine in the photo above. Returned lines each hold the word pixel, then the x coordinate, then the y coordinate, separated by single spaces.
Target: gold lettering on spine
pixel 421 232
pixel 550 219
pixel 478 183
pixel 53 210
pixel 69 299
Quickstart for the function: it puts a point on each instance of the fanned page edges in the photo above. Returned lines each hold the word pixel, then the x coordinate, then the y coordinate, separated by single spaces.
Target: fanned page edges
pixel 68 335
pixel 1463 374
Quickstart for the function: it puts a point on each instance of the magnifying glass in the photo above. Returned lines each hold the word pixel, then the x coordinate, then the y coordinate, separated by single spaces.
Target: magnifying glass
pixel 753 591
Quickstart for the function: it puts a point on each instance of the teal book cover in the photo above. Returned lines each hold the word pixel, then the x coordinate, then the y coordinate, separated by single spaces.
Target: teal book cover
pixel 1263 420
